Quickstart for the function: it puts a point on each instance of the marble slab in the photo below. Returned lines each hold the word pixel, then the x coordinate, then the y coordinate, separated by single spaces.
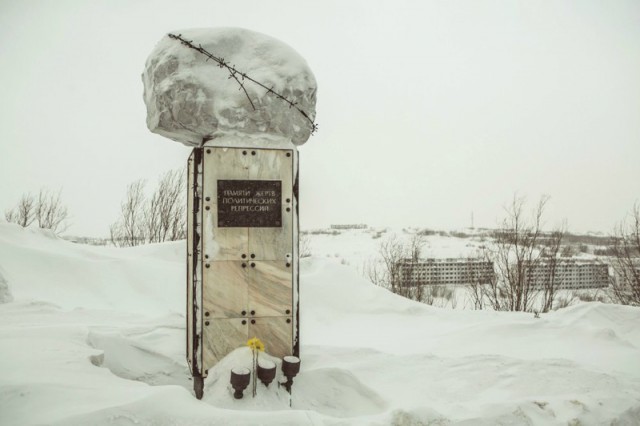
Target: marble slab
pixel 276 333
pixel 225 289
pixel 221 336
pixel 270 288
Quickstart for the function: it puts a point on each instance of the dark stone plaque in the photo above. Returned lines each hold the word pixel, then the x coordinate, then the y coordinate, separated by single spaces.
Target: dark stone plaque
pixel 249 204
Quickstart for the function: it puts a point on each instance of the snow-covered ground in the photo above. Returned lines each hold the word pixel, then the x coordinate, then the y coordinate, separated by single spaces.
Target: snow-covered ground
pixel 95 336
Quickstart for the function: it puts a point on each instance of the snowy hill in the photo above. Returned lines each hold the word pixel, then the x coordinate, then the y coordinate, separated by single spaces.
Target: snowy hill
pixel 95 335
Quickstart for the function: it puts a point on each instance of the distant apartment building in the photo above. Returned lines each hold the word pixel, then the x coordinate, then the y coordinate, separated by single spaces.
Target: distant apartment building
pixel 449 271
pixel 571 274
pixel 568 274
pixel 350 226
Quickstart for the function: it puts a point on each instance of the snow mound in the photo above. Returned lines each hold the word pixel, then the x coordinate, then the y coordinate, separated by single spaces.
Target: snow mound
pixel 323 279
pixel 147 279
pixel 96 335
pixel 333 392
pixel 141 354
pixel 190 98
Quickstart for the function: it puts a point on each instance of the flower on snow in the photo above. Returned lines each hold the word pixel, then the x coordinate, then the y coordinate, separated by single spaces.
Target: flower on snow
pixel 255 344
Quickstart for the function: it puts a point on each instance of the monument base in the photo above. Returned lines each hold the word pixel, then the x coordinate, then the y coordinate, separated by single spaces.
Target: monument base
pixel 242 253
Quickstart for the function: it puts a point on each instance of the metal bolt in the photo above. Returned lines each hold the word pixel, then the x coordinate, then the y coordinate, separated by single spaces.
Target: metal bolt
pixel 244 322
pixel 288 209
pixel 253 265
pixel 208 198
pixel 288 321
pixel 244 256
pixel 288 154
pixel 207 265
pixel 253 153
pixel 207 208
pixel 244 152
pixel 206 314
pixel 244 265
pixel 253 256
pixel 208 151
pixel 206 323
pixel 253 321
pixel 288 264
pixel 288 311
pixel 206 256
pixel 253 312
pixel 244 313
pixel 288 200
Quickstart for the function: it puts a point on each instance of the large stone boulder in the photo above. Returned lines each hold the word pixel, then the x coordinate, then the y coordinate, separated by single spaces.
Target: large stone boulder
pixel 191 99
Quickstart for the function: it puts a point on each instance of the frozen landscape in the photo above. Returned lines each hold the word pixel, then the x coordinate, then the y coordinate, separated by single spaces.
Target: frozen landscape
pixel 96 336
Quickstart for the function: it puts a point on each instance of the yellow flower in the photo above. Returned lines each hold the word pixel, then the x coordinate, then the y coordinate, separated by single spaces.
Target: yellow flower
pixel 255 344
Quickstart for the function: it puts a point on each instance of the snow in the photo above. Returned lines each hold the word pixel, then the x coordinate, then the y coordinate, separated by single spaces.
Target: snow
pixel 95 335
pixel 190 98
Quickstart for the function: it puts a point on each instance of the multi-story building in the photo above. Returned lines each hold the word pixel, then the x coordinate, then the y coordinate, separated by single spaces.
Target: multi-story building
pixel 350 226
pixel 567 274
pixel 450 271
pixel 570 274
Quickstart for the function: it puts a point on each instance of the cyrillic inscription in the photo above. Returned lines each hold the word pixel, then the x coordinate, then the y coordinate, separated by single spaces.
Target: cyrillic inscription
pixel 249 203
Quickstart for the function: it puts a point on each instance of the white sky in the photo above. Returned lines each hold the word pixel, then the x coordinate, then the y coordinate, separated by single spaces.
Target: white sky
pixel 428 110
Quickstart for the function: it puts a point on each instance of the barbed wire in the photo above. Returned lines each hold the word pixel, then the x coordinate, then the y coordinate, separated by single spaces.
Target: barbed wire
pixel 234 73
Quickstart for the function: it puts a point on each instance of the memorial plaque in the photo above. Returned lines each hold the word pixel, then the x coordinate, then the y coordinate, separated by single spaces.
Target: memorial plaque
pixel 249 204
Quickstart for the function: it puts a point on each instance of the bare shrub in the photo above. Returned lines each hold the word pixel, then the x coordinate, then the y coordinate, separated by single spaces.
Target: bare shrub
pixel 563 301
pixel 128 230
pixel 165 212
pixel 46 210
pixel 388 270
pixel 50 213
pixel 23 213
pixel 626 260
pixel 162 217
pixel 525 263
pixel 440 295
pixel 591 296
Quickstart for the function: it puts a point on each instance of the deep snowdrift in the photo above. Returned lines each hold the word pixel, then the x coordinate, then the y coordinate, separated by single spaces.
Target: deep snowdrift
pixel 96 336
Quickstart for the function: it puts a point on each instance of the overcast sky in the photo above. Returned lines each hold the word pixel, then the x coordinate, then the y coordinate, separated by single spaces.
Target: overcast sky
pixel 428 110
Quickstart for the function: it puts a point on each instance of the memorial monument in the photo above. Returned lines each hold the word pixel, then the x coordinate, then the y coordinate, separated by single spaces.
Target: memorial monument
pixel 244 101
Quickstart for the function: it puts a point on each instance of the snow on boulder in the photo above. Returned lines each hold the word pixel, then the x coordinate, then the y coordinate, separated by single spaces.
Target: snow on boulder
pixel 192 98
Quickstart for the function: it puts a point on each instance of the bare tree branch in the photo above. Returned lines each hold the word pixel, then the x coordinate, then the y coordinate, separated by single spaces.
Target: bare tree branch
pixel 626 260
